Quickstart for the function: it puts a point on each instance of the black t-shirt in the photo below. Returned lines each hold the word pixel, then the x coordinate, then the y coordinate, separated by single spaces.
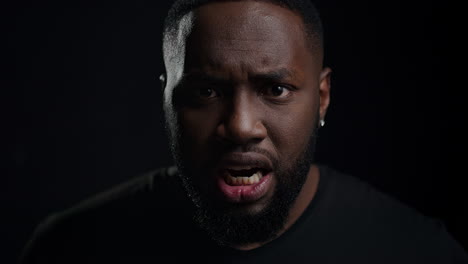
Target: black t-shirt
pixel 149 220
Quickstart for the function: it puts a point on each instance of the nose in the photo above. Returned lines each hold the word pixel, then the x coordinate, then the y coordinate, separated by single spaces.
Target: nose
pixel 242 123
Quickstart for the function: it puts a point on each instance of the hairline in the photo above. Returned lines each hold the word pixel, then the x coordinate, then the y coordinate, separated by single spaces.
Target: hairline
pixel 179 29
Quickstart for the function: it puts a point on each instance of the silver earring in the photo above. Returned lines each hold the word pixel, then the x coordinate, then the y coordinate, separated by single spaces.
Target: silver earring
pixel 322 123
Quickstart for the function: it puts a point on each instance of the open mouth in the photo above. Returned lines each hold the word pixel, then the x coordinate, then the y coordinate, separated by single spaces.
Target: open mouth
pixel 244 177
pixel 244 185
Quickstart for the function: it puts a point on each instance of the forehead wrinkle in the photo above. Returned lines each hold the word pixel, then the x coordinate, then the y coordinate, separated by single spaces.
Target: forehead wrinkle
pixel 242 38
pixel 278 73
pixel 254 21
pixel 239 45
pixel 246 50
pixel 264 46
pixel 244 63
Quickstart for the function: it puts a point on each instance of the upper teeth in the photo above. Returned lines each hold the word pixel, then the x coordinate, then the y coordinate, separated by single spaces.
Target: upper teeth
pixel 245 180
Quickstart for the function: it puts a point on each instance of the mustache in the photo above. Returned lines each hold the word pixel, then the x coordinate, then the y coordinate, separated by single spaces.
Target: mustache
pixel 250 148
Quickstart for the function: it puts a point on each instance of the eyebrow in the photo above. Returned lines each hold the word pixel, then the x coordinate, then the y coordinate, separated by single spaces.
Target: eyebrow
pixel 203 77
pixel 275 76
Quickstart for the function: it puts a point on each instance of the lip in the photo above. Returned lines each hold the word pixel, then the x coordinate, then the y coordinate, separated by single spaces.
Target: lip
pixel 244 193
pixel 242 161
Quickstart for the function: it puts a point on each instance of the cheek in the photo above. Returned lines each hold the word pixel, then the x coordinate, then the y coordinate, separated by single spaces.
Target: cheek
pixel 292 128
pixel 196 128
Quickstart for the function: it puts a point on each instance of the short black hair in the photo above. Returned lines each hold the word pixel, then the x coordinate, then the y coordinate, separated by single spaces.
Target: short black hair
pixel 305 8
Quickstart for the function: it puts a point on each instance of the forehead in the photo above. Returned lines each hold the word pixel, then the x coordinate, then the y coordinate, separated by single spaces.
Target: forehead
pixel 246 35
pixel 227 19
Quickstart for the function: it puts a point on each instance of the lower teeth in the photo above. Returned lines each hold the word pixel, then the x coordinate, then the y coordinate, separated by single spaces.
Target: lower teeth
pixel 255 178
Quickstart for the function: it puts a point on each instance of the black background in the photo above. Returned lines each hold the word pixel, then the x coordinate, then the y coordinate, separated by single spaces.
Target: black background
pixel 82 104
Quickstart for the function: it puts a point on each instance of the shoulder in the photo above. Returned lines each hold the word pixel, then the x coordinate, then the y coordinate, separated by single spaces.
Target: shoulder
pixel 102 222
pixel 134 194
pixel 352 194
pixel 379 222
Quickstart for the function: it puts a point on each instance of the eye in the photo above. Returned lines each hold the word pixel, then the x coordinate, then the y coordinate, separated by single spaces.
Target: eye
pixel 278 90
pixel 206 92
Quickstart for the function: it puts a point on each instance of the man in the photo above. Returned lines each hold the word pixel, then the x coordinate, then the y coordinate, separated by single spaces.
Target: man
pixel 245 93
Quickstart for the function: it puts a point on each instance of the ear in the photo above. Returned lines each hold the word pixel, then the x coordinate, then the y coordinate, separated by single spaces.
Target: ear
pixel 162 79
pixel 324 91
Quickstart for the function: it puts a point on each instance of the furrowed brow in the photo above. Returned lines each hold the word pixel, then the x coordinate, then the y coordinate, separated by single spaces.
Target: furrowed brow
pixel 275 76
pixel 203 78
pixel 278 75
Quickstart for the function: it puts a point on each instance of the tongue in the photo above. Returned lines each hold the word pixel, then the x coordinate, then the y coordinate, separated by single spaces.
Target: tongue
pixel 237 173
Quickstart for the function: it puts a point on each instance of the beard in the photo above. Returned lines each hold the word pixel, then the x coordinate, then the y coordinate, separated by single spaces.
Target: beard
pixel 231 224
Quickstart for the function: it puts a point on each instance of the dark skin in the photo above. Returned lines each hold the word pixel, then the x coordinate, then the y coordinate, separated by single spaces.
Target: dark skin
pixel 249 78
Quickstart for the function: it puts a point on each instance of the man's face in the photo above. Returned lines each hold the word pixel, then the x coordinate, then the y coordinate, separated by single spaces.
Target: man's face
pixel 243 115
